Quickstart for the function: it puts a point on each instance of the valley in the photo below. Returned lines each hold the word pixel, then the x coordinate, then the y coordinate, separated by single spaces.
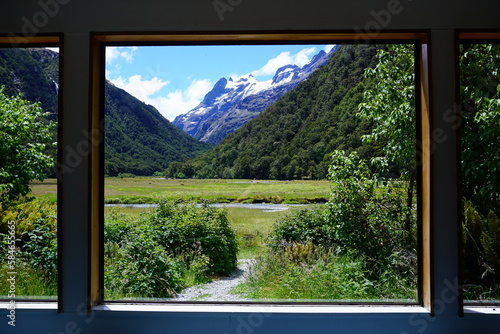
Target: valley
pixel 268 179
pixel 150 190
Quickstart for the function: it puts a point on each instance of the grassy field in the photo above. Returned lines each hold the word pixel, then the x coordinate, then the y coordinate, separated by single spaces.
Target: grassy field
pixel 251 225
pixel 149 190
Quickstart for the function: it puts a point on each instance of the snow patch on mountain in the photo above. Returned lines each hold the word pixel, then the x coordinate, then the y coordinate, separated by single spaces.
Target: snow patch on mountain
pixel 234 101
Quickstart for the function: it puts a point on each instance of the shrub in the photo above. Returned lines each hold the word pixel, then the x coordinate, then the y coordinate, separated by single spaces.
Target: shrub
pixel 368 218
pixel 481 252
pixel 360 246
pixel 158 254
pixel 142 268
pixel 186 228
pixel 118 227
pixel 302 226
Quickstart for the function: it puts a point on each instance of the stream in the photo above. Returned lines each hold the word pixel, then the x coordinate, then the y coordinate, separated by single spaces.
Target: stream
pixel 266 207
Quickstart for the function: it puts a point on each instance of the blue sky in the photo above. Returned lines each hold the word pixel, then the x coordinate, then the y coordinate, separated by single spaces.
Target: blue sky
pixel 175 79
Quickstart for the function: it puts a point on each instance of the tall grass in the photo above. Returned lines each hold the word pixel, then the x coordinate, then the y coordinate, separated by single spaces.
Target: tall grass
pixel 35 249
pixel 306 272
pixel 252 227
pixel 30 282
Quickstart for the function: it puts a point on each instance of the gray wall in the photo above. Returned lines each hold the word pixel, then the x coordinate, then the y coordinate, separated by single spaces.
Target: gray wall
pixel 77 18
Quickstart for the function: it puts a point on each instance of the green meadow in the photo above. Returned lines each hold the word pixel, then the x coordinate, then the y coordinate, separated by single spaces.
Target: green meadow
pixel 251 225
pixel 149 190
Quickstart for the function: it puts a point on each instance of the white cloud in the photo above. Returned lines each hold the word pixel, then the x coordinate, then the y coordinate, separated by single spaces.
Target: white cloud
pixel 53 49
pixel 198 89
pixel 115 53
pixel 141 89
pixel 171 105
pixel 180 102
pixel 300 59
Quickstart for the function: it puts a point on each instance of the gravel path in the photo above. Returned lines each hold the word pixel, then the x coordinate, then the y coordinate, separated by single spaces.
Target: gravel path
pixel 218 290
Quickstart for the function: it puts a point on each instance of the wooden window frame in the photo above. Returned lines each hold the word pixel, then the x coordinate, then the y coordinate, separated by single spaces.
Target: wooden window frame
pixel 48 40
pixel 99 40
pixel 473 37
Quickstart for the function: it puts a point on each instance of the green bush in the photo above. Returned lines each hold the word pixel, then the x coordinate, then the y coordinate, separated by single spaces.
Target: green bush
pixel 36 246
pixel 135 264
pixel 142 268
pixel 183 228
pixel 302 226
pixel 158 254
pixel 118 228
pixel 364 217
pixel 369 218
pixel 481 253
pixel 361 245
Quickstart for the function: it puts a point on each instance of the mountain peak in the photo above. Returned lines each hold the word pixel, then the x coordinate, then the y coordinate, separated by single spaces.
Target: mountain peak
pixel 217 91
pixel 286 73
pixel 317 61
pixel 233 102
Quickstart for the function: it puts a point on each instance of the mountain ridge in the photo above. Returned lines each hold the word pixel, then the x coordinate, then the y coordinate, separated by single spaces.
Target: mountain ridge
pixel 233 102
pixel 138 139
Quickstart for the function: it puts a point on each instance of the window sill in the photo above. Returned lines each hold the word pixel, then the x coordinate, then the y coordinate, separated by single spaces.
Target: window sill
pixel 271 309
pixel 486 310
pixel 30 305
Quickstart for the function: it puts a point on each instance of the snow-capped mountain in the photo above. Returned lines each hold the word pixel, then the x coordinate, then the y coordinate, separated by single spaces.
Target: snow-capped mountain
pixel 232 103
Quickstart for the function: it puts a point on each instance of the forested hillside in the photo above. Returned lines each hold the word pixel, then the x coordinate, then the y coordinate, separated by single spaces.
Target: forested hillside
pixel 138 138
pixel 294 138
pixel 33 73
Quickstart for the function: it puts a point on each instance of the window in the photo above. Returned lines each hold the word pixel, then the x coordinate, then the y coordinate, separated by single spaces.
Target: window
pixel 103 42
pixel 29 93
pixel 479 124
pixel 79 200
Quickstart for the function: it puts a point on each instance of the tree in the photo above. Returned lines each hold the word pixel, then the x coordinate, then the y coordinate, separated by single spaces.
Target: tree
pixel 24 134
pixel 480 124
pixel 480 102
pixel 390 104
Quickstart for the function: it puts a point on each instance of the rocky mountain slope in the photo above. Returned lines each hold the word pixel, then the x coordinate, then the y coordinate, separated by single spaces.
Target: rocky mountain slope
pixel 232 103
